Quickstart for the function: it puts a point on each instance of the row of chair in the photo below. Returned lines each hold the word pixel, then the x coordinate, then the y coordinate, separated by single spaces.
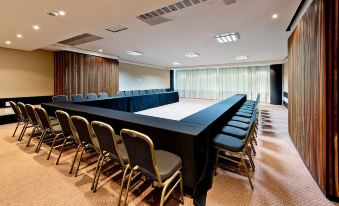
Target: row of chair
pixel 80 97
pixel 236 138
pixel 99 138
pixel 140 92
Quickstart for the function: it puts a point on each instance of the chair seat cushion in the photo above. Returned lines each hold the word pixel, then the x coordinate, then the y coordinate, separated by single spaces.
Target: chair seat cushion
pixel 235 132
pixel 122 153
pixel 250 102
pixel 242 114
pixel 247 107
pixel 168 163
pixel 241 119
pixel 56 129
pixel 237 124
pixel 245 111
pixel 227 142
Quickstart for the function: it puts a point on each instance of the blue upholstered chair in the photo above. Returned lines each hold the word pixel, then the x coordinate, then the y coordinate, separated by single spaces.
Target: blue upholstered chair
pixel 121 94
pixel 128 93
pixel 142 92
pixel 60 99
pixel 102 95
pixel 77 98
pixel 91 96
pixel 135 92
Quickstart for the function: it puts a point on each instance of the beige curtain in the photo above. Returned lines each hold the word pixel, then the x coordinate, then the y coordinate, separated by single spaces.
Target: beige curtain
pixel 76 73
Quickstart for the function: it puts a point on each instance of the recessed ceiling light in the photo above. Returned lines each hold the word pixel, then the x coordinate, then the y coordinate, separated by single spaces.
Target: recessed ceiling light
pixel 241 57
pixel 62 13
pixel 228 37
pixel 177 63
pixel 8 42
pixel 134 53
pixel 100 50
pixel 274 16
pixel 192 55
pixel 19 36
pixel 36 27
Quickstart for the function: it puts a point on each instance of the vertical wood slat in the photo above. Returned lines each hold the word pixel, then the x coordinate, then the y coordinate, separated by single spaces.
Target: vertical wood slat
pixel 307 91
pixel 77 73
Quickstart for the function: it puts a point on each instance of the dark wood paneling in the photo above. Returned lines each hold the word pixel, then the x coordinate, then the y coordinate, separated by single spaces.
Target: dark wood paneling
pixel 331 28
pixel 307 81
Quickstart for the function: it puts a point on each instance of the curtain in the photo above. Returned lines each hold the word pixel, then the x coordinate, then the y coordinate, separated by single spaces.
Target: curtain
pixel 76 73
pixel 221 83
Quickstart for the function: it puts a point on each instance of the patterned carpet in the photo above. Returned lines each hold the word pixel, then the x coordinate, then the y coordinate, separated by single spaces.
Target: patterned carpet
pixel 280 178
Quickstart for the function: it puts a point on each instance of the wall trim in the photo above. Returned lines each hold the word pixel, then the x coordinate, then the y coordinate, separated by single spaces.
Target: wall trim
pixel 141 64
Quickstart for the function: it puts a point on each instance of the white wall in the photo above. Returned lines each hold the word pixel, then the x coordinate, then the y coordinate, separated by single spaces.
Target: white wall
pixel 136 77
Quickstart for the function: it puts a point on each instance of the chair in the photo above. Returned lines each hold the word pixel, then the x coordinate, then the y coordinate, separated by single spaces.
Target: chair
pixel 234 146
pixel 68 132
pixel 27 121
pixel 18 116
pixel 163 90
pixel 103 95
pixel 158 165
pixel 77 98
pixel 111 148
pixel 128 93
pixel 91 96
pixel 34 121
pixel 142 92
pixel 121 94
pixel 135 92
pixel 88 142
pixel 60 99
pixel 48 130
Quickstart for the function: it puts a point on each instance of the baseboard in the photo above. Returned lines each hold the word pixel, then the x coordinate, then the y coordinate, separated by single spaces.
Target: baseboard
pixel 26 100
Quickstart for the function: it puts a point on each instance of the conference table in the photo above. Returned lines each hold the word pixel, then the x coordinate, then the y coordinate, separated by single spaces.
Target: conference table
pixel 190 138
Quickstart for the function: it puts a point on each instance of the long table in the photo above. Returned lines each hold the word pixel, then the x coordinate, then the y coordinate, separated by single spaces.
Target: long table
pixel 189 138
pixel 134 103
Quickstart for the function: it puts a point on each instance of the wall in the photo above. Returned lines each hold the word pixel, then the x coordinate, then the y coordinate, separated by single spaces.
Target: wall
pixel 26 73
pixel 307 91
pixel 285 84
pixel 136 77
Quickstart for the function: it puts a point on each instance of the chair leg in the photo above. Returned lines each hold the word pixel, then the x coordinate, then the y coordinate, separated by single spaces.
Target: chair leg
pixel 128 185
pixel 96 171
pixel 81 153
pixel 253 149
pixel 246 170
pixel 41 138
pixel 50 151
pixel 16 128
pixel 181 189
pixel 98 176
pixel 122 184
pixel 75 157
pixel 22 132
pixel 30 137
pixel 62 149
pixel 250 158
pixel 216 163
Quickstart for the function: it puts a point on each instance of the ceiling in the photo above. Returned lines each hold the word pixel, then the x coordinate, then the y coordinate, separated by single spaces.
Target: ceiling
pixel 192 29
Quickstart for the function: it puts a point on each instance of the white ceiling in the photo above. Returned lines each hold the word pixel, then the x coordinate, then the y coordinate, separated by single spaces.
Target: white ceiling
pixel 191 30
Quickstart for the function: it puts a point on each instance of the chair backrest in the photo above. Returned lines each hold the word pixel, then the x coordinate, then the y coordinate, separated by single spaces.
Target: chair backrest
pixel 91 96
pixel 31 114
pixel 60 99
pixel 121 93
pixel 163 90
pixel 23 111
pixel 107 139
pixel 77 98
pixel 43 118
pixel 16 111
pixel 136 144
pixel 66 125
pixel 128 93
pixel 135 92
pixel 85 132
pixel 142 92
pixel 102 95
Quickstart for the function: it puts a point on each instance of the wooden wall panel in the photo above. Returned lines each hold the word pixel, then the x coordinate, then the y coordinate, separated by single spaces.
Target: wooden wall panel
pixel 307 91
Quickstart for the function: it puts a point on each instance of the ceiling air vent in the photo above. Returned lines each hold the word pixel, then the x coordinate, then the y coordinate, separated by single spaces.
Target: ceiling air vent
pixel 116 29
pixel 155 17
pixel 80 39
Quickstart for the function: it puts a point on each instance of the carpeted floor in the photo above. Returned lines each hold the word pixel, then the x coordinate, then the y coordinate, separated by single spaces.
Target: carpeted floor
pixel 27 178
